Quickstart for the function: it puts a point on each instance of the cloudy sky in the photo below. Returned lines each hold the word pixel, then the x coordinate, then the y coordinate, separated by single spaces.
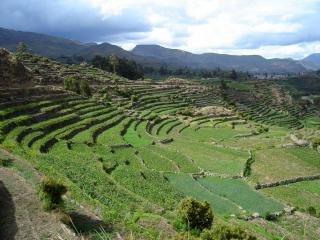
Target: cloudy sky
pixel 272 28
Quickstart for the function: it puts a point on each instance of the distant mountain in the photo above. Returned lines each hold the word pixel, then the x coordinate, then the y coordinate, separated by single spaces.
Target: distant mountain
pixel 315 58
pixel 250 63
pixel 55 47
pixel 39 43
pixel 147 55
pixel 312 62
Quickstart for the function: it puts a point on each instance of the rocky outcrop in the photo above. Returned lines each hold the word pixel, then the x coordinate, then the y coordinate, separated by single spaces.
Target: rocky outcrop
pixel 12 71
pixel 297 141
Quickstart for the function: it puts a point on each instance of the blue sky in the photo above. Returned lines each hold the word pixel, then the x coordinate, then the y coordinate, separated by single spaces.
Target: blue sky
pixel 272 28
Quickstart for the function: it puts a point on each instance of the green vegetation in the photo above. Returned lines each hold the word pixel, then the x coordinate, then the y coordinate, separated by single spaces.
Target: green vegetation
pixel 50 192
pixel 135 149
pixel 225 232
pixel 193 215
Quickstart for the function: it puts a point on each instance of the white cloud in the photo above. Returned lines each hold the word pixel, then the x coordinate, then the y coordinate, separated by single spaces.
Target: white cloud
pixel 269 28
pixel 230 26
pixel 296 51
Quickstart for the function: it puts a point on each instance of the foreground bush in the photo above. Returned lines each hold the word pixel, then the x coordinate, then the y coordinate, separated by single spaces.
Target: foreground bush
pixel 312 211
pixel 50 192
pixel 85 88
pixel 193 215
pixel 224 232
pixel 5 162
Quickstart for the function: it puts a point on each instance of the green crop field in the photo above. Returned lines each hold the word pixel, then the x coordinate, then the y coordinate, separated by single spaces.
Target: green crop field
pixel 239 192
pixel 134 155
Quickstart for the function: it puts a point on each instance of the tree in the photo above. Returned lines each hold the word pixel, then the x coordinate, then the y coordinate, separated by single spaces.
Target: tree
pixel 21 48
pixel 234 75
pixel 163 70
pixel 114 61
pixel 85 88
pixel 193 215
pixel 134 99
pixel 223 84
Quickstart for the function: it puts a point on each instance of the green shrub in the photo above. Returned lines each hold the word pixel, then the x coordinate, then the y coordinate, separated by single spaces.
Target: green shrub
pixel 312 211
pixel 262 129
pixel 85 88
pixel 124 92
pixel 271 216
pixel 193 214
pixel 50 192
pixel 134 98
pixel 5 162
pixel 224 232
pixel 71 84
pixel 315 143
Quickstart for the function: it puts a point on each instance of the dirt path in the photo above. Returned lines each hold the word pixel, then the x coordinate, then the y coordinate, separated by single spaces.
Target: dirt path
pixel 21 213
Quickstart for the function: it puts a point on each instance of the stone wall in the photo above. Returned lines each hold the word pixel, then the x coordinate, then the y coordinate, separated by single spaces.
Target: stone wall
pixel 287 181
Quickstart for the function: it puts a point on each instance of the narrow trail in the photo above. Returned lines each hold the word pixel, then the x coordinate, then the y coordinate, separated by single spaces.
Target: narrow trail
pixel 21 214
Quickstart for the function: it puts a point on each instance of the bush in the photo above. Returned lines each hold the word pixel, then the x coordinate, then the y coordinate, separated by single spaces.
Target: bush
pixel 85 88
pixel 50 192
pixel 312 211
pixel 134 98
pixel 315 143
pixel 71 84
pixel 224 232
pixel 5 162
pixel 271 216
pixel 124 92
pixel 262 129
pixel 193 214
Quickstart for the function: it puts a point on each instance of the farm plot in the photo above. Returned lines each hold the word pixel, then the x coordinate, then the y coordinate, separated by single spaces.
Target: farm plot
pixel 190 187
pixel 301 194
pixel 278 164
pixel 212 158
pixel 239 192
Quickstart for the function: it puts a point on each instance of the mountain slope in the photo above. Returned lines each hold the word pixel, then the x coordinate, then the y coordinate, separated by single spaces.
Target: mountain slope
pixel 147 55
pixel 56 47
pixel 312 62
pixel 251 63
pixel 39 43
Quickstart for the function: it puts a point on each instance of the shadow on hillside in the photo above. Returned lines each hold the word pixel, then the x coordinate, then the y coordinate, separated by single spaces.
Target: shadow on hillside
pixel 8 225
pixel 87 225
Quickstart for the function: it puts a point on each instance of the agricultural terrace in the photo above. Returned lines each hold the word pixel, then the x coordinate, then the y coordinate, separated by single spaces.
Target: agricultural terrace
pixel 172 141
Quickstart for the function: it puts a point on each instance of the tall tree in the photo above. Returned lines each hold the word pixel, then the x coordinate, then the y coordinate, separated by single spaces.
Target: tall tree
pixel 114 61
pixel 234 75
pixel 21 48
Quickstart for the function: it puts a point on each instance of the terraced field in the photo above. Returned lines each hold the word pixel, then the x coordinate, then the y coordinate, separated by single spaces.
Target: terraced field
pixel 121 157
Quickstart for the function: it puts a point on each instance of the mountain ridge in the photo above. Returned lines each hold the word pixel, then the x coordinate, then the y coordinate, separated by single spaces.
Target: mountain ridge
pixel 147 55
